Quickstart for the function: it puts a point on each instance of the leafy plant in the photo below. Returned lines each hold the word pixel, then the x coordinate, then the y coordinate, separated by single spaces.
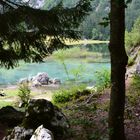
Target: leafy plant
pixel 24 94
pixel 103 79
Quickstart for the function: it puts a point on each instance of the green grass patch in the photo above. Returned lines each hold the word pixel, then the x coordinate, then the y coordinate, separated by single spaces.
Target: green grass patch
pixel 66 95
pixel 10 92
pixel 75 52
pixel 133 94
pixel 81 121
pixel 5 103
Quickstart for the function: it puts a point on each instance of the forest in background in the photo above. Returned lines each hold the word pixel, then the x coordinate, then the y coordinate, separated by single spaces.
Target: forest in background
pixel 90 26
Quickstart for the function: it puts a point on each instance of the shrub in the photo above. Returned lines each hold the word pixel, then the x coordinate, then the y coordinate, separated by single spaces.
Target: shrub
pixel 102 79
pixel 65 95
pixel 24 94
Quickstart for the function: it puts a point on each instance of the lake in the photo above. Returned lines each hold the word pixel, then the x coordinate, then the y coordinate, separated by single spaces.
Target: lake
pixel 54 70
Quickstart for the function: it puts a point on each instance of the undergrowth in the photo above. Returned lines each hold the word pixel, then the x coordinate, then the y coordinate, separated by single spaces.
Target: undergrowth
pixel 134 90
pixel 65 95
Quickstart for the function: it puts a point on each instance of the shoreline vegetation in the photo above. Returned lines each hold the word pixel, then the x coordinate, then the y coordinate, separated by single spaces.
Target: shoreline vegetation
pixel 85 42
pixel 80 53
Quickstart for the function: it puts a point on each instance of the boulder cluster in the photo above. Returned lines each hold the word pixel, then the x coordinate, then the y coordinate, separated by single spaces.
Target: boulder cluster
pixel 40 79
pixel 41 121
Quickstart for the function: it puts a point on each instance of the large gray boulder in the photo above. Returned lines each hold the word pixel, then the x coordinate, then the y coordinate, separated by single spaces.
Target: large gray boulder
pixel 43 112
pixel 41 78
pixel 19 133
pixel 42 133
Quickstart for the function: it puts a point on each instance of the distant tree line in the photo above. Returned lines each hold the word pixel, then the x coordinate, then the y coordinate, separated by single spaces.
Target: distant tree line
pixel 100 8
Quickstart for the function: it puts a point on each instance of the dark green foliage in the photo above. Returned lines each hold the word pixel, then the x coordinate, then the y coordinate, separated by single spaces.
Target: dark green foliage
pixel 65 95
pixel 101 9
pixel 24 30
pixel 136 81
pixel 132 38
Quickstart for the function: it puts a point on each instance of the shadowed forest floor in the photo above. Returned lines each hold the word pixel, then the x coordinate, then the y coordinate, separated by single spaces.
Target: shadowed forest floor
pixel 89 115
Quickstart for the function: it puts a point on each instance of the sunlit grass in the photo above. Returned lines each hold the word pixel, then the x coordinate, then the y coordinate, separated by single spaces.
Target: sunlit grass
pixel 75 52
pixel 5 103
pixel 85 42
pixel 11 96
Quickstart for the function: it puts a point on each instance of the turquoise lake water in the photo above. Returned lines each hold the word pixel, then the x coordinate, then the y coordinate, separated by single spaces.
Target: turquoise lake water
pixel 54 70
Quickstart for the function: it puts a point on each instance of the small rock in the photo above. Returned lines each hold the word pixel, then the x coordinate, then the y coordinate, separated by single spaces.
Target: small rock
pixel 2 93
pixel 92 88
pixel 54 81
pixel 42 133
pixel 19 133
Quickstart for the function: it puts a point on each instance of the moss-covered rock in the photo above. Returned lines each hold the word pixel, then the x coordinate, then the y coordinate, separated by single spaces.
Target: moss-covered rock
pixel 42 112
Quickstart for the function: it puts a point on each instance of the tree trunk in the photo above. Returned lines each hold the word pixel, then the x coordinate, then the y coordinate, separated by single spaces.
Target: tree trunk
pixel 118 68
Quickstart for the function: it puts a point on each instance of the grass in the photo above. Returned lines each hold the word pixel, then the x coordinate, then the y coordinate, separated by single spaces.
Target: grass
pixel 5 103
pixel 79 42
pixel 12 98
pixel 66 95
pixel 86 119
pixel 133 93
pixel 75 52
pixel 10 92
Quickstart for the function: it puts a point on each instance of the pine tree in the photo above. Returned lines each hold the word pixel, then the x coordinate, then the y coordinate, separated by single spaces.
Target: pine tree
pixel 31 34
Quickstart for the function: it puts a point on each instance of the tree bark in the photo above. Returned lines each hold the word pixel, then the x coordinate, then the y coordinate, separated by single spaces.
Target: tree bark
pixel 118 68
